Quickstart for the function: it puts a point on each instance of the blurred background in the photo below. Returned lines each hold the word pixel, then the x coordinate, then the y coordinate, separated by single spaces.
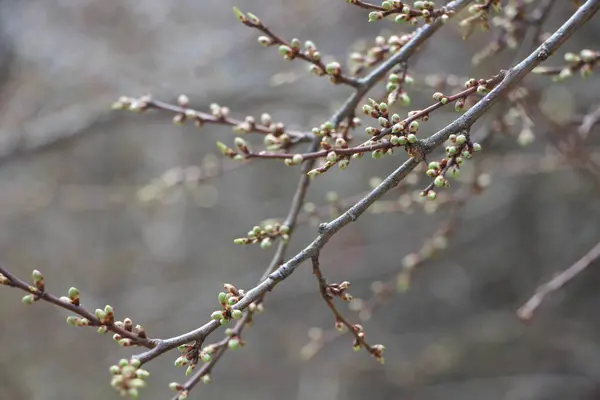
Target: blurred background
pixel 71 171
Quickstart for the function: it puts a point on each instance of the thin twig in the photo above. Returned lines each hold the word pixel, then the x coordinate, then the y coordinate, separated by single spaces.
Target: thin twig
pixel 326 293
pixel 528 309
pixel 8 279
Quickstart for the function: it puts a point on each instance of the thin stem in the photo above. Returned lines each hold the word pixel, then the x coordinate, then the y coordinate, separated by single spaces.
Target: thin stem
pixel 356 330
pixel 527 311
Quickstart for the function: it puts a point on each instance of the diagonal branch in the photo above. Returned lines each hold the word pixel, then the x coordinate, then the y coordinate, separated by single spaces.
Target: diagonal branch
pixel 528 309
pixel 511 78
pixel 8 279
pixel 343 112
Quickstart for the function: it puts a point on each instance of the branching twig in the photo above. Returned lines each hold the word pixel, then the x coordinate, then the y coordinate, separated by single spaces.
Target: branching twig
pixel 327 230
pixel 328 292
pixel 38 292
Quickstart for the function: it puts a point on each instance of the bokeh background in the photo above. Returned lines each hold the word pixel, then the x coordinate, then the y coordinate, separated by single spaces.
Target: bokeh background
pixel 70 171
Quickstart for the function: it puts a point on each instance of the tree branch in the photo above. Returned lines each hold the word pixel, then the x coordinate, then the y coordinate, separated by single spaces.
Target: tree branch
pixel 511 78
pixel 526 312
pixel 343 112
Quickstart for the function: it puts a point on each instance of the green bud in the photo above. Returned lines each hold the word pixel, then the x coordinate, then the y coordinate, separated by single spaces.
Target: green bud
pixel 266 243
pixel 476 147
pixel 482 89
pixel 237 314
pixel 404 100
pixel 375 16
pixel 414 126
pixel 285 50
pixel 588 55
pixel 333 68
pixel 233 343
pixel 100 314
pixel 37 276
pixel 297 158
pixel 461 139
pixel 142 374
pixel 222 298
pixel 239 15
pixel 28 299
pixel 439 181
pixel 205 357
pixel 412 138
pixel 181 361
pixel 223 148
pixel 401 18
pixel 216 315
pixel 73 293
pixel 265 41
pixel 571 58
pixel 253 18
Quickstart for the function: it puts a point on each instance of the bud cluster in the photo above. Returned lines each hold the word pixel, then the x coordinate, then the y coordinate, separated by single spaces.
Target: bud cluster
pixel 128 377
pixel 294 49
pixel 381 50
pixel 265 235
pixel 584 62
pixel 480 16
pixel 460 148
pixel 227 299
pixel 35 291
pixel 420 11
